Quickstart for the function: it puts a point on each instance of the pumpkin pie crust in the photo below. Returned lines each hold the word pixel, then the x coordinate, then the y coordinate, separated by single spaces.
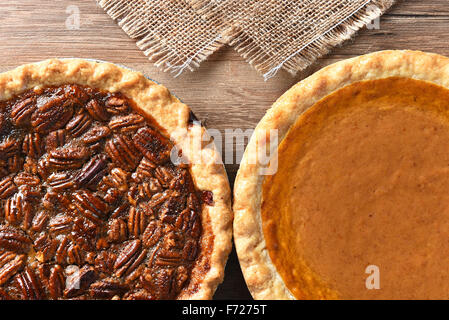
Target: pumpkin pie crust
pixel 361 181
pixel 105 192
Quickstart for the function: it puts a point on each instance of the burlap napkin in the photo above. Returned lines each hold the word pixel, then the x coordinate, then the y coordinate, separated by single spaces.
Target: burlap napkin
pixel 269 34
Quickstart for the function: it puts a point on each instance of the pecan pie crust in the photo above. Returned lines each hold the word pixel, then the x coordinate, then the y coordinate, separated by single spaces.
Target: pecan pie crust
pixel 92 204
pixel 276 270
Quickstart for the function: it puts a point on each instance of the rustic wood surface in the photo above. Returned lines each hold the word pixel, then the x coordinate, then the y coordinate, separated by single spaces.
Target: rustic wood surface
pixel 225 93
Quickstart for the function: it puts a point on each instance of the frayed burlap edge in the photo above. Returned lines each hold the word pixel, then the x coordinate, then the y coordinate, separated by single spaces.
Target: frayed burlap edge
pixel 171 60
pixel 163 57
pixel 307 53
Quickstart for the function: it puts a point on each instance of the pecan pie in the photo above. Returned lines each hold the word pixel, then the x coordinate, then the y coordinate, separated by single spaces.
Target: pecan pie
pixel 358 205
pixel 100 198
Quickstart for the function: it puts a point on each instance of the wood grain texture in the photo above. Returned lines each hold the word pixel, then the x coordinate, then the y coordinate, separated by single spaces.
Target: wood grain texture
pixel 225 93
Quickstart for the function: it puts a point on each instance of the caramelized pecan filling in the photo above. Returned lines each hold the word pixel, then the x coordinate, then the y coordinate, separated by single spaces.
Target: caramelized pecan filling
pixel 91 205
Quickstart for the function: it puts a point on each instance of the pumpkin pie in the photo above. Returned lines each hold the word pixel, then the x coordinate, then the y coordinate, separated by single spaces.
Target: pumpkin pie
pixel 356 202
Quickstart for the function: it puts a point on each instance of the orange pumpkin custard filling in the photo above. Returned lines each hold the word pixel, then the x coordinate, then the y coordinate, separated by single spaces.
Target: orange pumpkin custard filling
pixel 363 180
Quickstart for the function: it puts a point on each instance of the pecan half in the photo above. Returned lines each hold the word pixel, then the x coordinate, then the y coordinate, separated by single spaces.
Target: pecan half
pixel 97 110
pixel 39 221
pixel 136 222
pixel 14 240
pixel 9 147
pixel 19 208
pixel 79 124
pixel 27 179
pixel 60 224
pixel 22 111
pixel 56 282
pixel 131 256
pixel 61 181
pixel 61 251
pixel 117 231
pixel 128 123
pixel 30 285
pixel 10 264
pixel 75 255
pixel 96 134
pixel 169 258
pixel 53 114
pixel 7 187
pixel 90 206
pixel 153 145
pixel 158 198
pixel 68 158
pixel 122 152
pixel 93 171
pixel 152 233
pixel 117 105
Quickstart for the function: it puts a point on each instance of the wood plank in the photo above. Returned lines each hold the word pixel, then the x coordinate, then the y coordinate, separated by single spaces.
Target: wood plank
pixel 225 93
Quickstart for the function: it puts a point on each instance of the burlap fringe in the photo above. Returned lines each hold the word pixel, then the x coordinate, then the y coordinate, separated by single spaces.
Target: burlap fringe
pixel 307 54
pixel 167 59
pixel 170 60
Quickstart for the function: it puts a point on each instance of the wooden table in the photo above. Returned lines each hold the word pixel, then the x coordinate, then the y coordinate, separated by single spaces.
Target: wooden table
pixel 225 93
